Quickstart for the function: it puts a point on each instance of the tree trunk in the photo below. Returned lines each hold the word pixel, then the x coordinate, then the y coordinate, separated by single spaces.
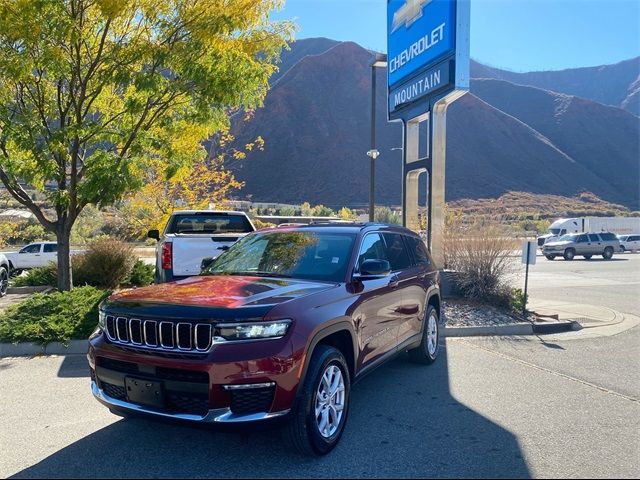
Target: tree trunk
pixel 65 277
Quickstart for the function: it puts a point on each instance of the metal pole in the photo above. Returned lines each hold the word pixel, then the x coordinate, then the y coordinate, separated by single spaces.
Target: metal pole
pixel 372 178
pixel 526 283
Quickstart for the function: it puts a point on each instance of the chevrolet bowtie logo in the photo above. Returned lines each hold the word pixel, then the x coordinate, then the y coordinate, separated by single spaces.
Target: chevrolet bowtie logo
pixel 408 13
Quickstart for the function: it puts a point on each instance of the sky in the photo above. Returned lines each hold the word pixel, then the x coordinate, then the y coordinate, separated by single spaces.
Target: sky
pixel 519 35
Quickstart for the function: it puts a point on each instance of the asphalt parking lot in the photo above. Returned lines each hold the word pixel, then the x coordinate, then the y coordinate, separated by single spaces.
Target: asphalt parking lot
pixel 487 408
pixel 490 407
pixel 608 283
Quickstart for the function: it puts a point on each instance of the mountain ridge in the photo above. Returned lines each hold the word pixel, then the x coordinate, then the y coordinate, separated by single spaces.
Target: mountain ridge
pixel 316 120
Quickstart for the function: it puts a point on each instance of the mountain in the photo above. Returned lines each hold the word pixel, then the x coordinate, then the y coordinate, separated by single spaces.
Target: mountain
pixel 501 137
pixel 601 138
pixel 616 84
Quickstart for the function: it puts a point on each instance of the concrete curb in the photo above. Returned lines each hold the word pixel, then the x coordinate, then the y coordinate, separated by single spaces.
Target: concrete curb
pixel 32 349
pixel 27 290
pixel 498 330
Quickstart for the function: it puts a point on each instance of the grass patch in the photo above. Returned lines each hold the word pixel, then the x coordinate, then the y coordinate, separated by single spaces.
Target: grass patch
pixel 56 317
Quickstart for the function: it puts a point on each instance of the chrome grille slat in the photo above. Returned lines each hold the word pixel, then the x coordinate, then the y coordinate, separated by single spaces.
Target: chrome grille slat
pixel 150 326
pixel 167 336
pixel 111 328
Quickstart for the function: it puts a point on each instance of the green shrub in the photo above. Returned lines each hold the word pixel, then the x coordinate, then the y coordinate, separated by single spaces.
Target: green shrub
pixel 107 263
pixel 142 274
pixel 516 300
pixel 58 317
pixel 37 277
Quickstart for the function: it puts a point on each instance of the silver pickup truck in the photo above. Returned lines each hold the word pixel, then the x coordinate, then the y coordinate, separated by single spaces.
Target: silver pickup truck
pixel 583 244
pixel 193 235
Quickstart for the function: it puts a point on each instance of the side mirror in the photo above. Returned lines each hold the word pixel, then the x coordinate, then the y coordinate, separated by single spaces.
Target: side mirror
pixel 371 269
pixel 206 263
pixel 155 234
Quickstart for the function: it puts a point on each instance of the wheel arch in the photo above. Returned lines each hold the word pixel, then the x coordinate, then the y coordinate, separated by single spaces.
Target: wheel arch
pixel 339 335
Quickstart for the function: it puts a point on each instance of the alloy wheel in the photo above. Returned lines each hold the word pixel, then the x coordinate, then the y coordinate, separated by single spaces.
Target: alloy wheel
pixel 330 401
pixel 432 334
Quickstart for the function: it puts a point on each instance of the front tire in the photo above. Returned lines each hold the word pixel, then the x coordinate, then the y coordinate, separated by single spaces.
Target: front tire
pixel 622 249
pixel 320 412
pixel 427 352
pixel 4 281
pixel 550 257
pixel 608 253
pixel 569 253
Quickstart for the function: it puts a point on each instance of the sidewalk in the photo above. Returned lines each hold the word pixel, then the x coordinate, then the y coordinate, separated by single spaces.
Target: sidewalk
pixel 595 321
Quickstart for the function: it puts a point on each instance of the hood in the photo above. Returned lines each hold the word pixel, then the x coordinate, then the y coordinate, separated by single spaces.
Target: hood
pixel 220 291
pixel 556 244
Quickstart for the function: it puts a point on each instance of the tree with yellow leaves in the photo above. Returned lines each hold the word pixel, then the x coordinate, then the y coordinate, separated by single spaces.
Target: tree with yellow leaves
pixel 195 187
pixel 96 93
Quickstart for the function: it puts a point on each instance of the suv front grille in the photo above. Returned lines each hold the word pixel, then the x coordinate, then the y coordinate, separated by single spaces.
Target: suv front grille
pixel 160 335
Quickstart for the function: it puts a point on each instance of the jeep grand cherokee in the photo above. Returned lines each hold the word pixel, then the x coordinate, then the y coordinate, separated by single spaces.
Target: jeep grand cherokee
pixel 279 326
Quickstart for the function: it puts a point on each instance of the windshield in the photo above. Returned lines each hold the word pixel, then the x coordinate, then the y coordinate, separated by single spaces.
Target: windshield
pixel 305 255
pixel 208 223
pixel 568 238
pixel 555 231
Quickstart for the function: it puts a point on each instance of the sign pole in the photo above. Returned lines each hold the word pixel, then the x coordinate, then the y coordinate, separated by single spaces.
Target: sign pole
pixel 526 282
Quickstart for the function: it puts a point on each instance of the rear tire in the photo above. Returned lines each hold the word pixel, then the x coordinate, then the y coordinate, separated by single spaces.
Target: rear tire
pixel 4 281
pixel 569 254
pixel 608 253
pixel 304 430
pixel 550 257
pixel 427 352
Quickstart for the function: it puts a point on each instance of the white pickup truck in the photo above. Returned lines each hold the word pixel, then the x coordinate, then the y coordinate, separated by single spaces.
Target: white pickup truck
pixel 38 254
pixel 193 235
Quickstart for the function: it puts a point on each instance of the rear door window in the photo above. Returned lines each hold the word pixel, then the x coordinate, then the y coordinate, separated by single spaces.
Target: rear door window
pixel 607 237
pixel 208 223
pixel 582 239
pixel 594 238
pixel 50 248
pixel 396 251
pixel 418 249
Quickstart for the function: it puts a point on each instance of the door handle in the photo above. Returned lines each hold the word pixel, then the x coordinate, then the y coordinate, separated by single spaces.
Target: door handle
pixel 393 283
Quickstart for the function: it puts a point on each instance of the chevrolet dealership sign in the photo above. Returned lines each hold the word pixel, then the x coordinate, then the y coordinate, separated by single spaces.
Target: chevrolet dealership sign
pixel 423 48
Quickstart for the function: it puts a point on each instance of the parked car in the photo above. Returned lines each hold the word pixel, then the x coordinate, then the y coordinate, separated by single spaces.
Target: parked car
pixel 191 236
pixel 629 243
pixel 38 254
pixel 4 275
pixel 564 226
pixel 583 244
pixel 280 326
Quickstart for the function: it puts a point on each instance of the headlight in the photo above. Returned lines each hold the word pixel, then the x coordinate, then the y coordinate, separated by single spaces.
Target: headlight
pixel 254 331
pixel 102 320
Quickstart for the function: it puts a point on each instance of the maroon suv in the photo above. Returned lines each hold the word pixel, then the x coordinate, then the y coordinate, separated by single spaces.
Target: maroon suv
pixel 280 325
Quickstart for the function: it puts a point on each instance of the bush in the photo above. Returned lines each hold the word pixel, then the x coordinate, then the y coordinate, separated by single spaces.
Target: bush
pixel 58 317
pixel 107 263
pixel 481 254
pixel 516 300
pixel 37 277
pixel 21 232
pixel 142 274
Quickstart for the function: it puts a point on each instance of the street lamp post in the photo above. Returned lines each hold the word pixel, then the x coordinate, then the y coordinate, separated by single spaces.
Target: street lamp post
pixel 379 61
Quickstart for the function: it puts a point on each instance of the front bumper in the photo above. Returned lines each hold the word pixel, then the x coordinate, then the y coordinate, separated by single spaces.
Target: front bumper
pixel 214 416
pixel 202 380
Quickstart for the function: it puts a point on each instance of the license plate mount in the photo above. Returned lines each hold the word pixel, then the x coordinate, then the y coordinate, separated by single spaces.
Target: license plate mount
pixel 144 392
